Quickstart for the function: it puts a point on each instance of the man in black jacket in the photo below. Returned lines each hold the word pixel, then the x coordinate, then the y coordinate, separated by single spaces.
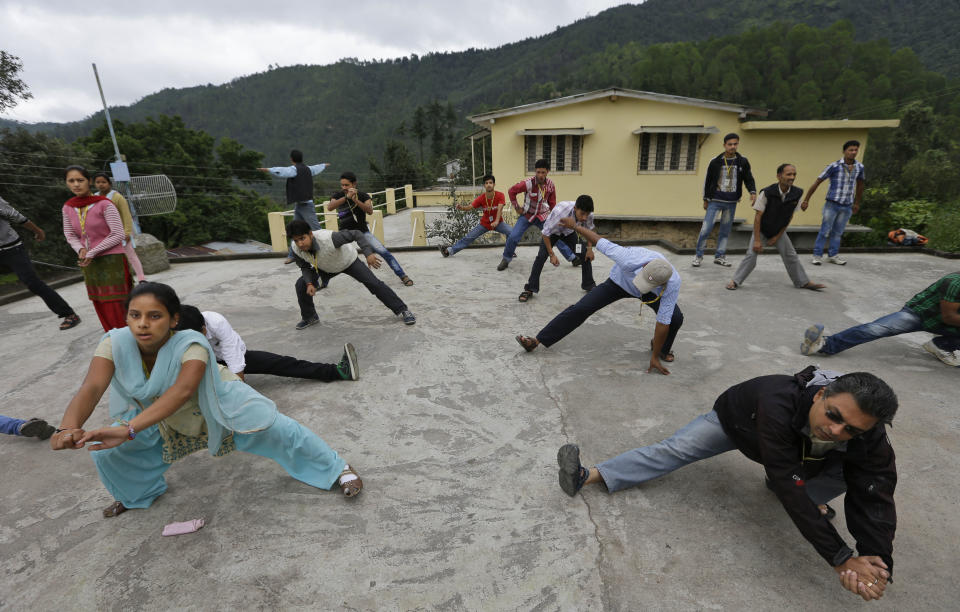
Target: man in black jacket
pixel 775 207
pixel 817 435
pixel 722 189
pixel 299 189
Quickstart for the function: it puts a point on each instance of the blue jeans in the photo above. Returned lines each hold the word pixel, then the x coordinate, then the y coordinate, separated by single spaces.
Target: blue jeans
pixel 894 324
pixel 305 211
pixel 10 425
pixel 726 209
pixel 475 233
pixel 510 250
pixel 382 251
pixel 835 217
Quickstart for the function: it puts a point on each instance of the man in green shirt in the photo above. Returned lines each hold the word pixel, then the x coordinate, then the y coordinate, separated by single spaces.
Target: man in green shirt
pixel 936 309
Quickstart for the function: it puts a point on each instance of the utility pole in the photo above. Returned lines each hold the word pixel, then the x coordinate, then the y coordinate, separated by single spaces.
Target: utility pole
pixel 118 168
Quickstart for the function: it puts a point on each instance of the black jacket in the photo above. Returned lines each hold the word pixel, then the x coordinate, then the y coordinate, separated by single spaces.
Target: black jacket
pixel 778 211
pixel 764 418
pixel 300 187
pixel 744 176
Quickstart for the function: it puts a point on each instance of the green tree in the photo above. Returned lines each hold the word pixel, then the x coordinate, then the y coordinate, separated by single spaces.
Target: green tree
pixel 12 87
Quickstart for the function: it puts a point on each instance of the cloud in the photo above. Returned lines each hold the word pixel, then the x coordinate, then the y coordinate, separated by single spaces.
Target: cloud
pixel 143 47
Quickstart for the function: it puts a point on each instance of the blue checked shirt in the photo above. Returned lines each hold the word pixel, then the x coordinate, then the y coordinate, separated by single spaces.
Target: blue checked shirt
pixel 843 181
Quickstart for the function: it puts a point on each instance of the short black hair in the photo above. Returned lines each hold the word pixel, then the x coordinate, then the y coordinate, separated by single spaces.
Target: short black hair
pixel 731 136
pixel 873 396
pixel 541 163
pixel 584 203
pixel 191 318
pixel 103 175
pixel 78 168
pixel 851 143
pixel 296 156
pixel 164 294
pixel 489 177
pixel 781 168
pixel 298 227
pixel 350 176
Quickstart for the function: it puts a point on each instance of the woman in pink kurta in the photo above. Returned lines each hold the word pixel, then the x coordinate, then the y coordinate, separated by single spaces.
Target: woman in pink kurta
pixel 94 229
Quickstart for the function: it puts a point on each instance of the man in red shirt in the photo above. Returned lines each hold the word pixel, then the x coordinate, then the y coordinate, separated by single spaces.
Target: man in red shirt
pixel 491 203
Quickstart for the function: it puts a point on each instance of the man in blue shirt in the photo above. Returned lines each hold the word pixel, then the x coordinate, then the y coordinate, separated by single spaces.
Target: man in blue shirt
pixel 299 189
pixel 846 178
pixel 639 273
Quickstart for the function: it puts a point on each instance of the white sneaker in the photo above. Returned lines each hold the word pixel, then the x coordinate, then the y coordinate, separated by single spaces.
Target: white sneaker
pixel 812 339
pixel 951 358
pixel 836 259
pixel 816 260
pixel 722 261
pixel 697 261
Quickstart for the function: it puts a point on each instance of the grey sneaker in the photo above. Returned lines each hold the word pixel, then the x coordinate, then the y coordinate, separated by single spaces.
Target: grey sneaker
pixel 813 339
pixel 571 474
pixel 722 261
pixel 836 259
pixel 697 261
pixel 951 358
pixel 36 428
pixel 348 367
pixel 445 250
pixel 816 260
pixel 503 264
pixel 408 318
pixel 304 324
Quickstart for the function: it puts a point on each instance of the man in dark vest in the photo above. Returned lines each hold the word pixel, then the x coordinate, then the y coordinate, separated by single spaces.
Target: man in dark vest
pixel 299 189
pixel 775 206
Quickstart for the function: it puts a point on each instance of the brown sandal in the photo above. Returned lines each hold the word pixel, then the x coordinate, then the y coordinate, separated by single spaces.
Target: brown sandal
pixel 114 509
pixel 350 488
pixel 406 280
pixel 528 343
pixel 525 295
pixel 669 357
pixel 69 321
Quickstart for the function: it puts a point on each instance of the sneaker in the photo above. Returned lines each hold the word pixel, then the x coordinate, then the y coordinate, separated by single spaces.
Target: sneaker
pixel 36 428
pixel 816 260
pixel 722 261
pixel 445 250
pixel 951 358
pixel 813 339
pixel 288 261
pixel 576 261
pixel 836 259
pixel 697 261
pixel 503 264
pixel 408 318
pixel 571 474
pixel 304 324
pixel 348 367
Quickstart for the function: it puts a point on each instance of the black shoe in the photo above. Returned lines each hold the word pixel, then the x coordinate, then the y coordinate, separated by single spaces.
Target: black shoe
pixel 304 324
pixel 37 428
pixel 445 251
pixel 572 474
pixel 348 367
pixel 576 261
pixel 408 318
pixel 503 264
pixel 590 288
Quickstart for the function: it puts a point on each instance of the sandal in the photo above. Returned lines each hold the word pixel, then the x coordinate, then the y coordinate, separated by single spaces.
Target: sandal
pixel 669 357
pixel 525 295
pixel 528 343
pixel 812 286
pixel 406 280
pixel 114 509
pixel 69 321
pixel 829 514
pixel 351 487
pixel 733 286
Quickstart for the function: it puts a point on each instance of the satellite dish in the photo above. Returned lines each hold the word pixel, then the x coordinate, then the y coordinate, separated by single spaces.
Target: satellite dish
pixel 152 195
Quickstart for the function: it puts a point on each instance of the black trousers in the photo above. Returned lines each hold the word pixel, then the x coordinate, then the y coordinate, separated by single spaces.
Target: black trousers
pixel 604 294
pixel 262 362
pixel 17 260
pixel 586 268
pixel 360 273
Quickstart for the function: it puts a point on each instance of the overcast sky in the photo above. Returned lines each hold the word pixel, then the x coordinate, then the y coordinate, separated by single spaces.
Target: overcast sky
pixel 142 47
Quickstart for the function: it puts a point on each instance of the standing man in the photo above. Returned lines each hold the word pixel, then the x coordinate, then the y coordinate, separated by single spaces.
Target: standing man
pixel 322 254
pixel 775 207
pixel 540 196
pixel 299 189
pixel 722 189
pixel 579 213
pixel 816 435
pixel 846 178
pixel 637 272
pixel 14 255
pixel 490 202
pixel 352 208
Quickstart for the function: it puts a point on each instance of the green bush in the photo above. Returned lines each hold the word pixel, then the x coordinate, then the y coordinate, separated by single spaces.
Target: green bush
pixel 944 232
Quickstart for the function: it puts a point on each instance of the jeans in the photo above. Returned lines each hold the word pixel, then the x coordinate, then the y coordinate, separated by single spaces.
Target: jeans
pixel 791 261
pixel 700 439
pixel 475 233
pixel 382 251
pixel 361 274
pixel 10 425
pixel 835 217
pixel 586 268
pixel 726 209
pixel 262 362
pixel 19 263
pixel 523 224
pixel 604 294
pixel 893 324
pixel 305 211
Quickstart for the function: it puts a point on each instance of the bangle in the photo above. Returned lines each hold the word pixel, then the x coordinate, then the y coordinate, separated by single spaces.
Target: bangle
pixel 131 432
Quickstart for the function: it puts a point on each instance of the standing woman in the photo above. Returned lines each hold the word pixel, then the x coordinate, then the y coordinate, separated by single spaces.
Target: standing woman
pixel 168 399
pixel 105 188
pixel 94 229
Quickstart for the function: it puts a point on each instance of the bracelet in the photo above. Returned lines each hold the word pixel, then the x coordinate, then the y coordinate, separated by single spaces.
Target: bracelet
pixel 131 432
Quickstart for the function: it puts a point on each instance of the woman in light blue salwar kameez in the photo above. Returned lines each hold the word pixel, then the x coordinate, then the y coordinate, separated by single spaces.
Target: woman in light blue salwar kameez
pixel 169 399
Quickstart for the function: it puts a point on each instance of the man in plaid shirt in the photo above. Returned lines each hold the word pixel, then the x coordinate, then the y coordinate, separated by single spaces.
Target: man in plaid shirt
pixel 843 200
pixel 936 309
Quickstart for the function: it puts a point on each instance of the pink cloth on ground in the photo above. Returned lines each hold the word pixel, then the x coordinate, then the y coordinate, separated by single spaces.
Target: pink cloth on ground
pixel 181 528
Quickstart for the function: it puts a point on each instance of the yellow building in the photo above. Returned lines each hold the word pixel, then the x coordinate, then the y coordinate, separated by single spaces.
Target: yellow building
pixel 643 156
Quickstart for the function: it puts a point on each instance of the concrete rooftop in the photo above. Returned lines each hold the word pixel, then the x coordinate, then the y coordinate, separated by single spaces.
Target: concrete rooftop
pixel 454 430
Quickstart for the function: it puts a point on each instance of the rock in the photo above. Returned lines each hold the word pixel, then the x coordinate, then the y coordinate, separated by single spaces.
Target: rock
pixel 152 254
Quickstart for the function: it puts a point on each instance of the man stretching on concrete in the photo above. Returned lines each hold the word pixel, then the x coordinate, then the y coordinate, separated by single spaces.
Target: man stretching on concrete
pixel 775 207
pixel 846 178
pixel 817 434
pixel 352 208
pixel 638 273
pixel 299 189
pixel 722 189
pixel 936 309
pixel 322 254
pixel 28 428
pixel 490 202
pixel 579 213
pixel 230 349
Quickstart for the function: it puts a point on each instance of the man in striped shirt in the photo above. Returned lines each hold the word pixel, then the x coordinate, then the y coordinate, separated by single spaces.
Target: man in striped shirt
pixel 846 178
